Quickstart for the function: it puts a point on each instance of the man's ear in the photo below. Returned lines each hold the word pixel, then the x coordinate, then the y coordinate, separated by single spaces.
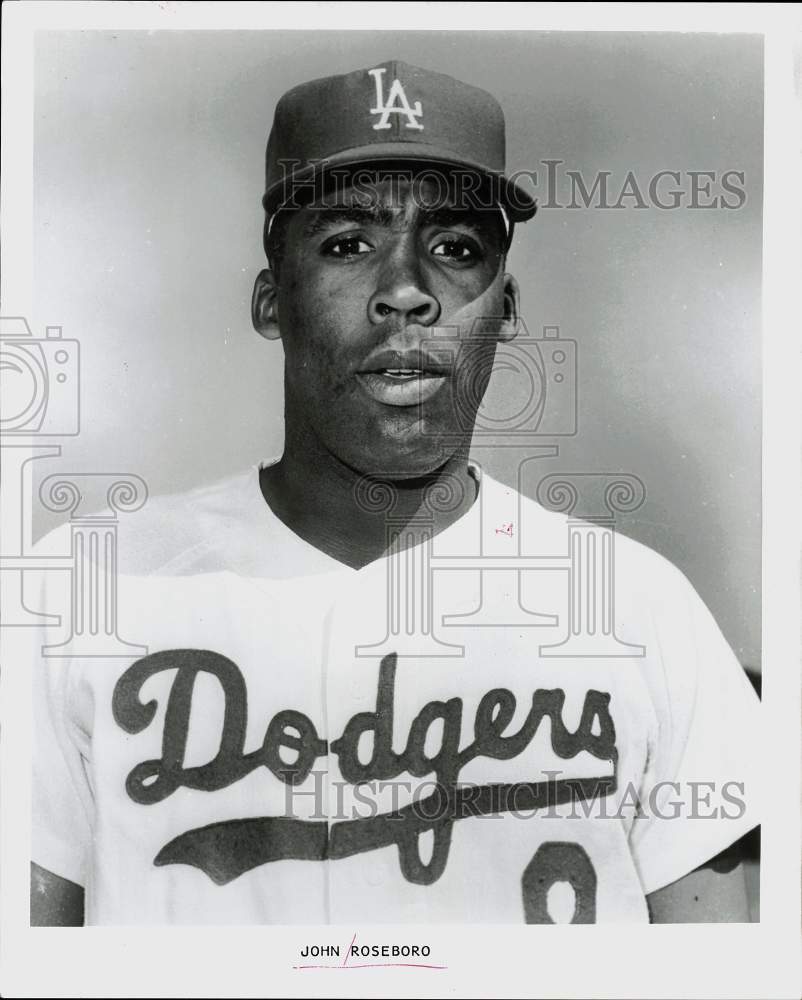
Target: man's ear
pixel 264 305
pixel 512 301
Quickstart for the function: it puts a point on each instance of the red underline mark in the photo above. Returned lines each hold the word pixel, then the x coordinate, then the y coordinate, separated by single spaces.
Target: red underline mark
pixel 374 965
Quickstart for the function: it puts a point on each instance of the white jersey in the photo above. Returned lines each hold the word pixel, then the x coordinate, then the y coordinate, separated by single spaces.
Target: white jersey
pixel 415 741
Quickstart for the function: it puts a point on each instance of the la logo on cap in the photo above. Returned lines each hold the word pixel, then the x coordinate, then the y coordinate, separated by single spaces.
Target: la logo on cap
pixel 396 103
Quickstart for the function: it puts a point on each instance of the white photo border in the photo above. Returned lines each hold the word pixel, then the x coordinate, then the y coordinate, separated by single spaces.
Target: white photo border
pixel 655 961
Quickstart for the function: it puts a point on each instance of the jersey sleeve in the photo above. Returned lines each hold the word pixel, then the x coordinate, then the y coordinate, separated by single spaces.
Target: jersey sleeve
pixel 700 791
pixel 61 795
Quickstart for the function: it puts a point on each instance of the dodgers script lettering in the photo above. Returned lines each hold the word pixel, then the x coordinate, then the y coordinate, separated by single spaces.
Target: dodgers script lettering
pixel 227 849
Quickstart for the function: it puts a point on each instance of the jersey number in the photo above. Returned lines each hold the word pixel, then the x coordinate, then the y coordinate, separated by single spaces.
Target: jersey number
pixel 559 862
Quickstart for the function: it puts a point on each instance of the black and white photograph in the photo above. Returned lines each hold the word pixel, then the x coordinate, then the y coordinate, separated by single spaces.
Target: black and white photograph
pixel 398 454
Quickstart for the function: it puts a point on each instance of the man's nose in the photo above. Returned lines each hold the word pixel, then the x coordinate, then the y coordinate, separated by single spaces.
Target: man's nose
pixel 402 291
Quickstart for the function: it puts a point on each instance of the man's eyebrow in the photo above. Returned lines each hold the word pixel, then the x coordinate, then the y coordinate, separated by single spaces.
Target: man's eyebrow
pixel 447 216
pixel 480 222
pixel 326 218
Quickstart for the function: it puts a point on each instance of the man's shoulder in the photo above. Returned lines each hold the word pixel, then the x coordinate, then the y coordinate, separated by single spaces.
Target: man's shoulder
pixel 169 530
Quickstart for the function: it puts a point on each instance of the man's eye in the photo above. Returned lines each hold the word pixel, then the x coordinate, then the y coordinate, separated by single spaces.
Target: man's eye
pixel 456 248
pixel 346 246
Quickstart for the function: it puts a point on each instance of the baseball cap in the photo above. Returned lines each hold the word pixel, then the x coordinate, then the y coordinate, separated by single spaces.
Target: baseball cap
pixel 391 112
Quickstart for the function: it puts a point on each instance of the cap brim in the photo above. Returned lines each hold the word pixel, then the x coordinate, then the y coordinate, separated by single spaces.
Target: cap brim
pixel 518 204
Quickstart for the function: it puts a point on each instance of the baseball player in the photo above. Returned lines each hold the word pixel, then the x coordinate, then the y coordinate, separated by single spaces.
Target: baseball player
pixel 344 714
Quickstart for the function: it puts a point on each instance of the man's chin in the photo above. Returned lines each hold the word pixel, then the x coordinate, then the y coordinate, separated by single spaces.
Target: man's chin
pixel 409 456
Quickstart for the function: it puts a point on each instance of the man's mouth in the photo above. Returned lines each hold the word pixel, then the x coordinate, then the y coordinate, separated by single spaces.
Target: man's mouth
pixel 401 386
pixel 403 376
pixel 401 372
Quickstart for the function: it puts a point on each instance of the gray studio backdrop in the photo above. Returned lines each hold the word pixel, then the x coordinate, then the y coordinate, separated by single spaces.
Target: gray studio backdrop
pixel 148 168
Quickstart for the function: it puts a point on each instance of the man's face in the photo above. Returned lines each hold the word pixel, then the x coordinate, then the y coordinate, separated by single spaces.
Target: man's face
pixel 366 285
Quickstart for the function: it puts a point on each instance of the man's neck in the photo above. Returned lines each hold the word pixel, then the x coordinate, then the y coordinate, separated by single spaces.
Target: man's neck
pixel 353 518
